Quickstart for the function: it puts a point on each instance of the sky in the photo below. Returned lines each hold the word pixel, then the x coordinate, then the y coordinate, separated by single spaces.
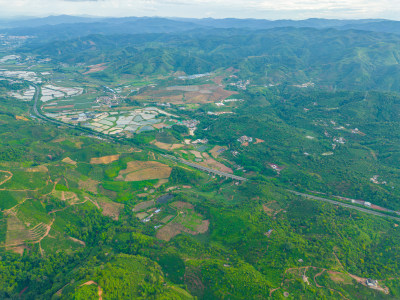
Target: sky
pixel 260 9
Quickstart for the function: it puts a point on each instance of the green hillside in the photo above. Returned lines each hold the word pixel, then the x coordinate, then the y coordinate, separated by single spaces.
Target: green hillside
pixel 212 164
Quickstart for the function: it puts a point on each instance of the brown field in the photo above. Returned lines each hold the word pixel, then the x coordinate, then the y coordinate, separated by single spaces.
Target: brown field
pixel 245 144
pixel 160 125
pixel 143 205
pixel 166 146
pixel 206 93
pixel 89 185
pixel 67 160
pixel 104 160
pixel 41 168
pixel 197 154
pixel 141 215
pixel 213 164
pixel 144 170
pixel 95 68
pixel 110 209
pixel 172 229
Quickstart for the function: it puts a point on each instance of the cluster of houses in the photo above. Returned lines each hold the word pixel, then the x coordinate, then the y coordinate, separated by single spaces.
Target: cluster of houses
pixel 145 220
pixel 191 124
pixel 245 139
pixel 339 140
pixel 109 100
pixel 241 84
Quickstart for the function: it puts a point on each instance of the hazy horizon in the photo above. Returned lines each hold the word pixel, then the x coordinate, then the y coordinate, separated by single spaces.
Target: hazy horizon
pixel 218 9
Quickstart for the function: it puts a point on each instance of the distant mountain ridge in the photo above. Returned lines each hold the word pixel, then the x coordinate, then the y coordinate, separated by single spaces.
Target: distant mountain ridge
pixel 59 27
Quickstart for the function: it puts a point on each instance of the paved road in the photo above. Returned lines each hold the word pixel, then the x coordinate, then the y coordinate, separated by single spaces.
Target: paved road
pixel 371 212
pixel 205 168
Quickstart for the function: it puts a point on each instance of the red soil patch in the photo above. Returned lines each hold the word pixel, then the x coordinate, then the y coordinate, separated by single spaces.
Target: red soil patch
pixel 258 141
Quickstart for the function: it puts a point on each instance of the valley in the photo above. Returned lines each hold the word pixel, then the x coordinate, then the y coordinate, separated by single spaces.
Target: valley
pixel 208 164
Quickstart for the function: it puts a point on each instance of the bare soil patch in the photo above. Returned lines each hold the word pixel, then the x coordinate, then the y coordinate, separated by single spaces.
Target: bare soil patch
pixel 21 118
pixel 166 146
pixel 110 209
pixel 144 170
pixel 68 160
pixel 258 141
pixel 104 160
pixel 213 164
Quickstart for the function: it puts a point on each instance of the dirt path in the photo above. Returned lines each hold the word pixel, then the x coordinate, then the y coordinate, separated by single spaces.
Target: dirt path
pixel 99 290
pixel 11 211
pixel 48 228
pixel 316 275
pixel 61 209
pixel 8 178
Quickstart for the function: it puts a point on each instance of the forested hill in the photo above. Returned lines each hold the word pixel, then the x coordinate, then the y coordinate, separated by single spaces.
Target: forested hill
pixel 329 58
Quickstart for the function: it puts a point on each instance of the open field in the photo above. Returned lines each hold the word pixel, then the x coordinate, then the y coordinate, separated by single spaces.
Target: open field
pixel 144 170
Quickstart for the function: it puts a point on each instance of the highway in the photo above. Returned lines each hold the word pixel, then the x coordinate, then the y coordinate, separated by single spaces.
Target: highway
pixel 371 212
pixel 208 170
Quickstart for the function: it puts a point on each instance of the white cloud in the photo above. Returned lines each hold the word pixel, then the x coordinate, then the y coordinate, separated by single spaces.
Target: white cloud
pixel 270 9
